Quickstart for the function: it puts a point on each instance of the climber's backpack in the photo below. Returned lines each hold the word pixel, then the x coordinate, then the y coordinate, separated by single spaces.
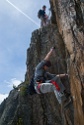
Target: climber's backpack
pixel 31 89
pixel 40 13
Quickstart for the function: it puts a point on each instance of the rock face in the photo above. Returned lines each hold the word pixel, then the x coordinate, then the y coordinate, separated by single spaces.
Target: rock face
pixel 69 16
pixel 39 109
pixel 66 34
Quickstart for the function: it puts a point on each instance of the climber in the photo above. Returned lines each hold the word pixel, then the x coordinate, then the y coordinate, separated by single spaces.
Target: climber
pixel 43 16
pixel 46 82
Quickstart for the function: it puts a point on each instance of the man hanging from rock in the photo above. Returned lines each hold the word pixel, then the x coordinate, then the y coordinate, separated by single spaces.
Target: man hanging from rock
pixel 45 82
pixel 43 16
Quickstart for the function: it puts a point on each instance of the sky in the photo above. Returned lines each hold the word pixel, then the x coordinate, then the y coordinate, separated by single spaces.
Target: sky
pixel 18 19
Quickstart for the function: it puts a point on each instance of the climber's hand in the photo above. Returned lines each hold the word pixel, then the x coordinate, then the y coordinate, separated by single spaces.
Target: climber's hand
pixel 67 75
pixel 52 49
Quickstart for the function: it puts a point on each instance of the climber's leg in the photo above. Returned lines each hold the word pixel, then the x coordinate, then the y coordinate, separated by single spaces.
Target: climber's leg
pixel 58 81
pixel 41 18
pixel 45 87
pixel 49 87
pixel 43 21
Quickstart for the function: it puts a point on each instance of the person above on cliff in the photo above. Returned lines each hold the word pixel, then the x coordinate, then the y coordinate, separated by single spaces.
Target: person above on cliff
pixel 45 82
pixel 43 16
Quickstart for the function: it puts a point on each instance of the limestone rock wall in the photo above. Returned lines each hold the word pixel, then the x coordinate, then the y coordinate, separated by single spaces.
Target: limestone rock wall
pixel 69 16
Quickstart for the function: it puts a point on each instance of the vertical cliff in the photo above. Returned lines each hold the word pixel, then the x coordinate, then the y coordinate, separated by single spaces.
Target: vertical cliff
pixel 69 16
pixel 41 42
pixel 66 33
pixel 21 108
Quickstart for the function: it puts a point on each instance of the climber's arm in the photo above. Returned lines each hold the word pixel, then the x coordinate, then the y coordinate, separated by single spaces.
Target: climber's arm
pixel 62 75
pixel 49 54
